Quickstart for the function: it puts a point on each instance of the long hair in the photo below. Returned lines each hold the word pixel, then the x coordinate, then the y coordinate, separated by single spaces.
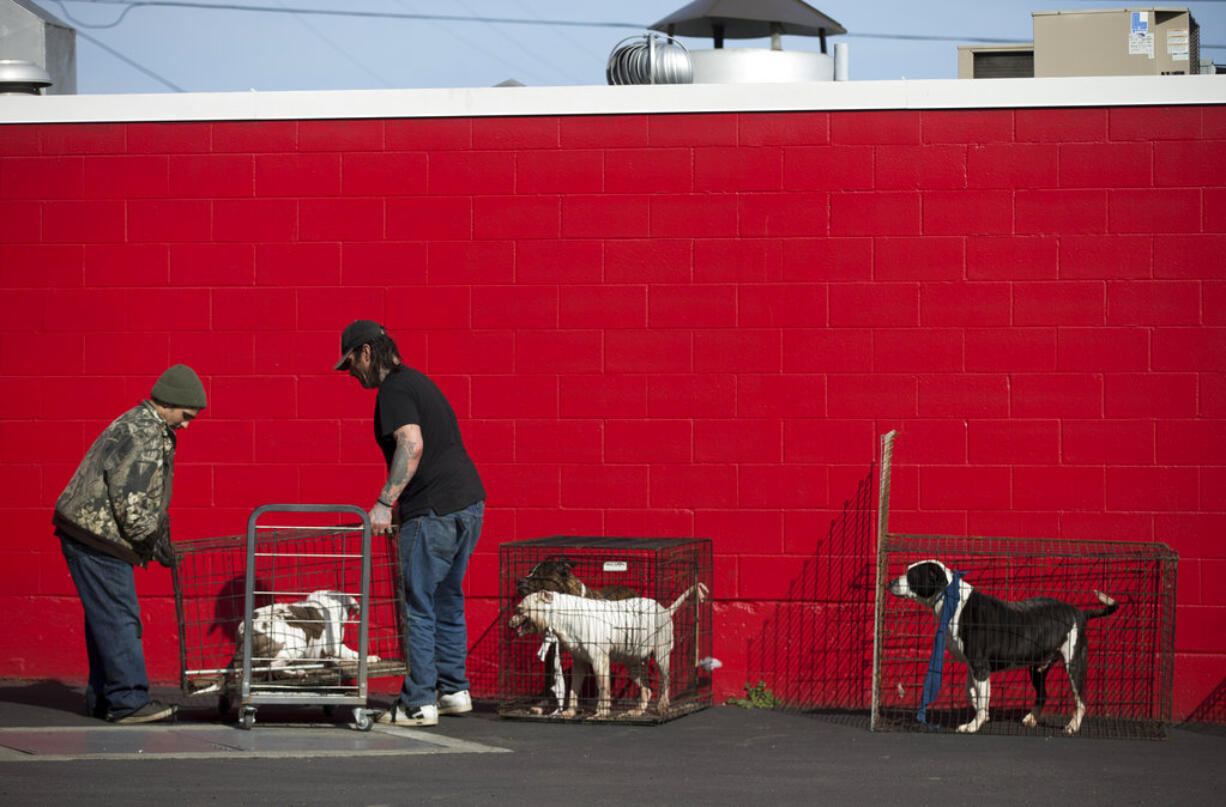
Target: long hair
pixel 384 355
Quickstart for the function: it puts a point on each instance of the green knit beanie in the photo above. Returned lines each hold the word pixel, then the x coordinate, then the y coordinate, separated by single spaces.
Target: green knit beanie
pixel 180 386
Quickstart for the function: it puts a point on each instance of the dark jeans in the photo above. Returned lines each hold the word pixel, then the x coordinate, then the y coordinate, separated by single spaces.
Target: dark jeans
pixel 434 552
pixel 118 683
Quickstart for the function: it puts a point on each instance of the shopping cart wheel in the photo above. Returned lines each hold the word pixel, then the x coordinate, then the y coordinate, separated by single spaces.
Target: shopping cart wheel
pixel 246 717
pixel 363 719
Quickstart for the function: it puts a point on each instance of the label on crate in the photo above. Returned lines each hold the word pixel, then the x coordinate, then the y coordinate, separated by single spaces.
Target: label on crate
pixel 615 566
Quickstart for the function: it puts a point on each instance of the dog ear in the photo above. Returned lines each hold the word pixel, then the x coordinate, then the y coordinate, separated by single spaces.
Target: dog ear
pixel 546 596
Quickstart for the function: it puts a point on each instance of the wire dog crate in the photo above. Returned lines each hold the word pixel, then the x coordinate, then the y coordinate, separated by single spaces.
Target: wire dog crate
pixel 613 595
pixel 1130 661
pixel 231 591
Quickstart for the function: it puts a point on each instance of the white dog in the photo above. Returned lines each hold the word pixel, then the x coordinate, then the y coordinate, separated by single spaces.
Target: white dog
pixel 602 631
pixel 314 628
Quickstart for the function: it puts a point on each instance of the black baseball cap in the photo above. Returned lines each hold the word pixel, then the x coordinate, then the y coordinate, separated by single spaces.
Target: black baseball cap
pixel 357 333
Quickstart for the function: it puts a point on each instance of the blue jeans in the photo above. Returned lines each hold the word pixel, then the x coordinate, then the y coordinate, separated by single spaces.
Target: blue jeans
pixel 434 552
pixel 118 683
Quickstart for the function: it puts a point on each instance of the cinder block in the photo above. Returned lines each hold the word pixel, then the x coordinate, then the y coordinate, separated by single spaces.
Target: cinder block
pixel 1107 442
pixel 967 125
pixel 691 306
pixel 1105 257
pixel 783 214
pixel 395 173
pixel 1065 304
pixel 264 136
pixel 649 441
pixel 602 396
pixel 971 212
pixel 1106 165
pixel 297 174
pixel 1012 258
pixel 1154 122
pixel 621 216
pixel 464 173
pixel 340 220
pixel 1154 302
pixel 604 306
pixel 784 128
pixel 1150 395
pixel 693 215
pixel 965 304
pixel 602 131
pixel 255 220
pixel 1015 442
pixel 1102 349
pixel 921 167
pixel 517 217
pixel 212 175
pixel 828 168
pixel 127 177
pixel 1158 210
pixel 567 171
pixel 875 127
pixel 279 264
pixel 875 214
pixel 974 395
pixel 688 131
pixel 73 222
pixel 429 218
pixel 1059 395
pixel 1064 212
pixel 340 135
pixel 1018 165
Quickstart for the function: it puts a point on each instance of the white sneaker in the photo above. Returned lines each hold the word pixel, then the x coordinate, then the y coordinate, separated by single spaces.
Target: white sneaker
pixel 398 715
pixel 457 703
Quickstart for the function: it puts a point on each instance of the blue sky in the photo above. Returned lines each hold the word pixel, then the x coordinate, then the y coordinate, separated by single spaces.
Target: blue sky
pixel 134 47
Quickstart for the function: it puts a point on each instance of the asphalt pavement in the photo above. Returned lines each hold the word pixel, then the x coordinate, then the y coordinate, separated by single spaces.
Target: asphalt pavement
pixel 51 754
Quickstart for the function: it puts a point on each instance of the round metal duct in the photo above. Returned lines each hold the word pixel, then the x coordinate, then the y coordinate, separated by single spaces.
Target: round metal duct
pixel 19 77
pixel 649 59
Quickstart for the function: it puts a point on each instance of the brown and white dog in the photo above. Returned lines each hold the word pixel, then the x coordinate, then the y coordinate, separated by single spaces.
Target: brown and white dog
pixel 599 632
pixel 990 635
pixel 558 574
pixel 283 634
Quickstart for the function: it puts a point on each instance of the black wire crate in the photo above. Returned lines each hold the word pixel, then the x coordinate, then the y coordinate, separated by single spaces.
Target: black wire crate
pixel 569 603
pixel 1129 653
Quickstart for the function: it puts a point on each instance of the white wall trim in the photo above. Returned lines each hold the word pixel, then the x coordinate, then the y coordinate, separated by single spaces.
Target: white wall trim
pixel 604 100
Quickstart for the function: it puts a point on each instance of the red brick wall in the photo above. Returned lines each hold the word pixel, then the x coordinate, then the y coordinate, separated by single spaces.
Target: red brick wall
pixel 649 325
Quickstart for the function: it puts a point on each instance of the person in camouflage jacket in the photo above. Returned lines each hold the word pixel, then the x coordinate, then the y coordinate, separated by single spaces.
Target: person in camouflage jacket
pixel 113 516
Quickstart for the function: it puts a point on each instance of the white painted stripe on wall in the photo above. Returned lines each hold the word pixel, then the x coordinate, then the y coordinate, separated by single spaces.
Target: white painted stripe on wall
pixel 604 100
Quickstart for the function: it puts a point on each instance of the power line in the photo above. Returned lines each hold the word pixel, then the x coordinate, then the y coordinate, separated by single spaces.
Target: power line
pixel 99 43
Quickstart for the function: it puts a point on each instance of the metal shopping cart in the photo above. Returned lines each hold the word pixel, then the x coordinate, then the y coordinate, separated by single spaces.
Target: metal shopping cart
pixel 290 614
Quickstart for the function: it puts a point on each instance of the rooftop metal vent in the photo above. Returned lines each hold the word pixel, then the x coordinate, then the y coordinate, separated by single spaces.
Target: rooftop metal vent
pixel 649 59
pixel 19 77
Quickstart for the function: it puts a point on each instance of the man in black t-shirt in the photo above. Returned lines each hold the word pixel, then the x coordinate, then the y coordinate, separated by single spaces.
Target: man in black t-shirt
pixel 434 486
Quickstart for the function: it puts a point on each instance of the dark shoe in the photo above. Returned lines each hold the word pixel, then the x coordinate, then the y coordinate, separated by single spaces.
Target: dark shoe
pixel 151 712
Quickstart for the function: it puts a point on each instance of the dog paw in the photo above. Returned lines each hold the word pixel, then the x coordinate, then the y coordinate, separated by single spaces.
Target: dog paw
pixel 373 659
pixel 1029 721
pixel 568 713
pixel 968 728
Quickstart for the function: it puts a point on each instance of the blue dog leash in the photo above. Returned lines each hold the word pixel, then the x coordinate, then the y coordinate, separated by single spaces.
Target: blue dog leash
pixel 932 681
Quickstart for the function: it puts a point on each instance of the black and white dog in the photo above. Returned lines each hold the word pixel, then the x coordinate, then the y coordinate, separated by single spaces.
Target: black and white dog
pixel 990 635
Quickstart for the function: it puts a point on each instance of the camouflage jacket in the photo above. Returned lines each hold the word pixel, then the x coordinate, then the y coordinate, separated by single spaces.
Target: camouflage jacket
pixel 117 499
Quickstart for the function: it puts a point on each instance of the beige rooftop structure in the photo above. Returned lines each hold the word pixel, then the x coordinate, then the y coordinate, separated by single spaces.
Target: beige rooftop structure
pixel 1094 42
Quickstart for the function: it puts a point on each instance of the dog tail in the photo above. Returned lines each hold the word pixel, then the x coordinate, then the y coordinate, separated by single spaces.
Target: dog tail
pixel 702 595
pixel 1110 606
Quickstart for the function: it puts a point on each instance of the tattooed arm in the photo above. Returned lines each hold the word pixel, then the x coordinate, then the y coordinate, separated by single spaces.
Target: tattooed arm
pixel 404 464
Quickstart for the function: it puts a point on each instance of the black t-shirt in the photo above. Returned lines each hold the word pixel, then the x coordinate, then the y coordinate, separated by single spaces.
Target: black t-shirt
pixel 446 479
